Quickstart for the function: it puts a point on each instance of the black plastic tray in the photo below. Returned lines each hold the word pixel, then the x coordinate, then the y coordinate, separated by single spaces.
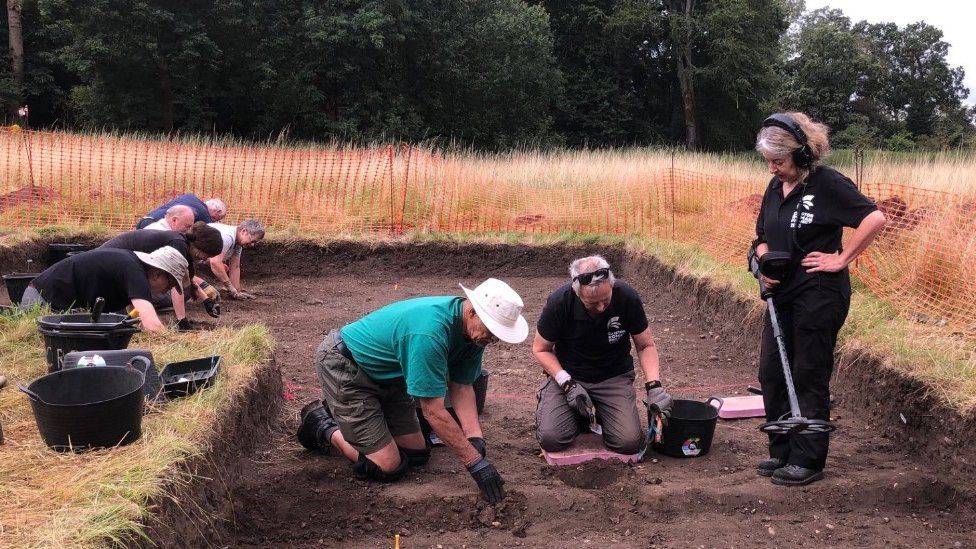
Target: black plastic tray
pixel 189 376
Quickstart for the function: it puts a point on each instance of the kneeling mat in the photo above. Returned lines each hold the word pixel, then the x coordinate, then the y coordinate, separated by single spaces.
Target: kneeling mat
pixel 586 447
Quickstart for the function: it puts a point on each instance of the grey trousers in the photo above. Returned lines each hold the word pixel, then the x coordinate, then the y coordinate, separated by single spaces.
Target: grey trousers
pixel 31 297
pixel 556 424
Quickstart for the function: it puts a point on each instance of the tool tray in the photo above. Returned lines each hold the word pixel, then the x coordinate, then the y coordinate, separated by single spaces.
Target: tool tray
pixel 189 376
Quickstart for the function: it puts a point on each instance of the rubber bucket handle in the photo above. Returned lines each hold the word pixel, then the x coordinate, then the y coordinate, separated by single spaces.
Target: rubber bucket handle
pixel 30 394
pixel 720 401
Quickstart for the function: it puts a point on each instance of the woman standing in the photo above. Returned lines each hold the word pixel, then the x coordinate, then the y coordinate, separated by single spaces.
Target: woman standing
pixel 804 211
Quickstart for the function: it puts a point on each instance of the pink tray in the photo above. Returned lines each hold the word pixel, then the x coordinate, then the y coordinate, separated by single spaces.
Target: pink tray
pixel 586 447
pixel 742 406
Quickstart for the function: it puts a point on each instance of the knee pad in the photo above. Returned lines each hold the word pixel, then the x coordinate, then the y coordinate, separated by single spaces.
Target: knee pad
pixel 365 469
pixel 416 458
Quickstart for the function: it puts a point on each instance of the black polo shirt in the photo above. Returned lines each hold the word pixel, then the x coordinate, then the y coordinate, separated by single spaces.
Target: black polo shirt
pixel 593 349
pixel 824 206
pixel 148 241
pixel 75 282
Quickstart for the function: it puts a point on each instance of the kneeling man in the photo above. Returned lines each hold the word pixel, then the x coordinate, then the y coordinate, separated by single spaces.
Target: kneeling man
pixel 582 342
pixel 424 348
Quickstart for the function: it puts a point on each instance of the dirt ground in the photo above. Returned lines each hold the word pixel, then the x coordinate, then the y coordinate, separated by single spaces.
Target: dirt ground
pixel 874 494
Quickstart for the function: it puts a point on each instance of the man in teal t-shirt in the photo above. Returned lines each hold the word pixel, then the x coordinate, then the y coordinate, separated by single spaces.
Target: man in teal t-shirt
pixel 425 348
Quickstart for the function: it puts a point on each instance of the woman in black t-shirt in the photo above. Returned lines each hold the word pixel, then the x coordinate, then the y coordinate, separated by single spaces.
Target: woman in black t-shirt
pixel 804 211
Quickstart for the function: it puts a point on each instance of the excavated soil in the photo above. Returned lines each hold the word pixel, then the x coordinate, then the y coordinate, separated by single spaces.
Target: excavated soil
pixel 884 487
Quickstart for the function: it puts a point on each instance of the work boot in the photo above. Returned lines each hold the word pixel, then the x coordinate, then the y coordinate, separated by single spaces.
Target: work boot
pixel 317 427
pixel 766 467
pixel 794 475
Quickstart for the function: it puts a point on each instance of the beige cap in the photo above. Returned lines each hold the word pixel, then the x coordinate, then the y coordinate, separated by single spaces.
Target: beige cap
pixel 500 308
pixel 169 260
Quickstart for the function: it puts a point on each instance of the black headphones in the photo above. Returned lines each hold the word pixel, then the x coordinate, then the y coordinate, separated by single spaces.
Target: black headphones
pixel 802 157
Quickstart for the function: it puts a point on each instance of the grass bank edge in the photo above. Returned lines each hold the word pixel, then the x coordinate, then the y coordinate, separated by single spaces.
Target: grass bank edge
pixel 101 498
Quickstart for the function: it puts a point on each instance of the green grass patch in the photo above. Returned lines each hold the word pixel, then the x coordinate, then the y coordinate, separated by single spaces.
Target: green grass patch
pixel 99 498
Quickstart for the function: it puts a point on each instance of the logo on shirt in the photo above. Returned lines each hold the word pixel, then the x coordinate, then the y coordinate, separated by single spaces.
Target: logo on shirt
pixel 807 201
pixel 806 218
pixel 614 331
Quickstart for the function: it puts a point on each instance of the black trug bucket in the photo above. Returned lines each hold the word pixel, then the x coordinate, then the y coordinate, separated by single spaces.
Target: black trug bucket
pixel 57 251
pixel 690 429
pixel 85 408
pixel 16 284
pixel 58 343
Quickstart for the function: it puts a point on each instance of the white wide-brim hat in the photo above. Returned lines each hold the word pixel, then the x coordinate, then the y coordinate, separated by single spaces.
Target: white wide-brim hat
pixel 169 260
pixel 500 308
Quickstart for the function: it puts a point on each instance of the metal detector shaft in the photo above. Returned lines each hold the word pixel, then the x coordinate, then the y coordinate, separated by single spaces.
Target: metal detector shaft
pixel 783 358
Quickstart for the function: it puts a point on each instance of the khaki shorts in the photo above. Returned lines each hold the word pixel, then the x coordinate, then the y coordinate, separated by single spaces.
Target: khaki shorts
pixel 369 414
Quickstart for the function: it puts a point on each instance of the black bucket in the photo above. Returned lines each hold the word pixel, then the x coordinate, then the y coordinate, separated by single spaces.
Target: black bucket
pixel 690 430
pixel 58 343
pixel 16 284
pixel 86 408
pixel 56 252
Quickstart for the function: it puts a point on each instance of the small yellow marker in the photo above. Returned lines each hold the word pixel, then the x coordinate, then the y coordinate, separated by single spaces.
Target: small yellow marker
pixel 396 541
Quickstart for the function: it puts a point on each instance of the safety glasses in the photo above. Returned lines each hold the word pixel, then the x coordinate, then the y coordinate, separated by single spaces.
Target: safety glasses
pixel 596 276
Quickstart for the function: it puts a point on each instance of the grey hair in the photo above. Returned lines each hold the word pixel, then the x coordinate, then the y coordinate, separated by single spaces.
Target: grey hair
pixel 252 227
pixel 599 263
pixel 775 142
pixel 218 205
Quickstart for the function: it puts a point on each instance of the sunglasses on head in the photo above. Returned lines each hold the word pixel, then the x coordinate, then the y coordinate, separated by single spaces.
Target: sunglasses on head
pixel 588 278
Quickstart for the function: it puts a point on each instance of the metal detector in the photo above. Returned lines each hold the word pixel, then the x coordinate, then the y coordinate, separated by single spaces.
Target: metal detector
pixel 776 266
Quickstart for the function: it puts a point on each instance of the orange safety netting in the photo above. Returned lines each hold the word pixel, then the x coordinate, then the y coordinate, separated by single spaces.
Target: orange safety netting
pixel 924 263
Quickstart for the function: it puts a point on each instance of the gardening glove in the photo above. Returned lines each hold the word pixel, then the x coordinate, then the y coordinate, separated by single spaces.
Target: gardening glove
pixel 479 445
pixel 184 325
pixel 241 294
pixel 212 293
pixel 659 403
pixel 212 306
pixel 488 479
pixel 577 398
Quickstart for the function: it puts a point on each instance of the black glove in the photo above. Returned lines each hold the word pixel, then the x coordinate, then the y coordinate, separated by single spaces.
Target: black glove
pixel 489 481
pixel 212 306
pixel 577 398
pixel 184 325
pixel 479 445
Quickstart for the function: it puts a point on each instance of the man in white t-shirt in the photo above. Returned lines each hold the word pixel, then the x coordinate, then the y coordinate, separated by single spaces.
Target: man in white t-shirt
pixel 227 266
pixel 178 218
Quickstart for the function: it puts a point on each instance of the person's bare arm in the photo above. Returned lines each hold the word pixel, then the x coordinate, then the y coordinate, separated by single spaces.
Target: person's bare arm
pixel 865 233
pixel 234 271
pixel 647 355
pixel 466 407
pixel 220 270
pixel 448 430
pixel 147 316
pixel 544 352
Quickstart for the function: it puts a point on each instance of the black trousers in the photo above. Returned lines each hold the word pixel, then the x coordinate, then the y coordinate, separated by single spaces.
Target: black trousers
pixel 810 322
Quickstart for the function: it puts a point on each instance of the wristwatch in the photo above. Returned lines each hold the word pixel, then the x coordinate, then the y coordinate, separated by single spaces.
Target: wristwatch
pixel 652 385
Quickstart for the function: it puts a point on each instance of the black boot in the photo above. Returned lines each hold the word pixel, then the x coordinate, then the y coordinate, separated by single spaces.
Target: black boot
pixel 766 467
pixel 794 475
pixel 317 427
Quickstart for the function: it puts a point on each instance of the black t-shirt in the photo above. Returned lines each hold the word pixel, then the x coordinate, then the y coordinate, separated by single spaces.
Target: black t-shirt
pixel 75 282
pixel 593 349
pixel 826 204
pixel 148 241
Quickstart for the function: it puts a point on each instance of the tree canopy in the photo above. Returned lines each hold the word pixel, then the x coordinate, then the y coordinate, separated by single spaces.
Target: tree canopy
pixel 491 74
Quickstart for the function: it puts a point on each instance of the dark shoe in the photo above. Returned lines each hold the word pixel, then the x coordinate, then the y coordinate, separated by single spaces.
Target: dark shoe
pixel 794 475
pixel 317 427
pixel 766 467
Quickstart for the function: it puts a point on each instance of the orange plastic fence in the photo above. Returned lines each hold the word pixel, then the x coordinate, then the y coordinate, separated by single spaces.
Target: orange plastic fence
pixel 924 263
